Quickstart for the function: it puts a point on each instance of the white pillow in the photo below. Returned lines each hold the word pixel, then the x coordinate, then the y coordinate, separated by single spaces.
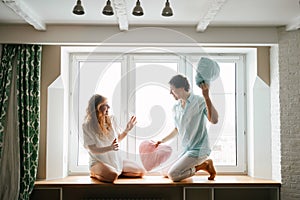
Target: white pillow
pixel 207 70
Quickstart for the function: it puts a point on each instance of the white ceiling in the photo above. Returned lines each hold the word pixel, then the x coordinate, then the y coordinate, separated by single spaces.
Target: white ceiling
pixel 198 13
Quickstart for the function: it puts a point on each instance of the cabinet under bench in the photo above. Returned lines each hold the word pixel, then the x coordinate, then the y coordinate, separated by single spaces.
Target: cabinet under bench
pixel 158 188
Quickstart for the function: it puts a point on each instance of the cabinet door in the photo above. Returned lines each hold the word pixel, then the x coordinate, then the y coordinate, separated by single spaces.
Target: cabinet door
pixel 197 193
pixel 46 194
pixel 122 192
pixel 246 193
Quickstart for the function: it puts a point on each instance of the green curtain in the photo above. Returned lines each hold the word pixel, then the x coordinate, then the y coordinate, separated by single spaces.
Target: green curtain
pixel 6 67
pixel 28 64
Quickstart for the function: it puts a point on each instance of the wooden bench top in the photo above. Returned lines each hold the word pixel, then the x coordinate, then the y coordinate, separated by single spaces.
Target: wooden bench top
pixel 196 180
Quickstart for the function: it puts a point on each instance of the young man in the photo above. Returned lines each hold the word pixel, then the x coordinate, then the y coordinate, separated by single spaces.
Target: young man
pixel 190 115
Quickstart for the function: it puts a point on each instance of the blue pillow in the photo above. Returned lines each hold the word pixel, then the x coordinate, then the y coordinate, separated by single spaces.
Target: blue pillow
pixel 207 70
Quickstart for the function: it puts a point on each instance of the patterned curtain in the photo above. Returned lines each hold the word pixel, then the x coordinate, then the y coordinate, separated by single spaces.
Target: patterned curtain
pixel 6 67
pixel 27 90
pixel 9 151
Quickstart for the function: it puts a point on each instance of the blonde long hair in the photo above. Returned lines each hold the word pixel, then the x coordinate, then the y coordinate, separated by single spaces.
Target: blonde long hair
pixel 98 122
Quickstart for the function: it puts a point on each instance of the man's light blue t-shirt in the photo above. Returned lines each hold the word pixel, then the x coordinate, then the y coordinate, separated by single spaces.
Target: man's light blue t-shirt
pixel 190 122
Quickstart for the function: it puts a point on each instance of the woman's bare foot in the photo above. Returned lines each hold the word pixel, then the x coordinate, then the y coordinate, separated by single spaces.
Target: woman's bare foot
pixel 208 166
pixel 103 179
pixel 132 174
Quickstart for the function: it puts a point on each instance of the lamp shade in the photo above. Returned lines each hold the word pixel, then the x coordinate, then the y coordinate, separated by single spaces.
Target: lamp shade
pixel 138 10
pixel 167 11
pixel 108 10
pixel 78 9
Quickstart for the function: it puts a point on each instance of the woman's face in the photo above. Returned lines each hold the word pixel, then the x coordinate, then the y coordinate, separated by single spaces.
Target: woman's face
pixel 103 108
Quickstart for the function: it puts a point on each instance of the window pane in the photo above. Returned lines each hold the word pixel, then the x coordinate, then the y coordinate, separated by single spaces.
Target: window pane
pixel 153 101
pixel 223 135
pixel 97 78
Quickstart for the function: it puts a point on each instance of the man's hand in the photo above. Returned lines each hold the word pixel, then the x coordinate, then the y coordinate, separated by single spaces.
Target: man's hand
pixel 205 89
pixel 157 143
pixel 212 114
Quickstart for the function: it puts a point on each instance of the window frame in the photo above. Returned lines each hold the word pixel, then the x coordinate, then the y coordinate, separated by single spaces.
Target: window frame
pixel 185 69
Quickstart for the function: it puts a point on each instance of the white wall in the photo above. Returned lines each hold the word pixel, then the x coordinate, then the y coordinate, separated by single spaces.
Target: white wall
pixel 56 157
pixel 262 130
pixel 289 99
pixel 275 113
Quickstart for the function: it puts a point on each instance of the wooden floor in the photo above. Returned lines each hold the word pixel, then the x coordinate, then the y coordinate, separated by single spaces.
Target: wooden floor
pixel 159 180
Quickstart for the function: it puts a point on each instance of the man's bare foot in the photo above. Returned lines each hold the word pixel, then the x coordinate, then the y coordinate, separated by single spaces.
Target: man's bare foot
pixel 208 166
pixel 211 170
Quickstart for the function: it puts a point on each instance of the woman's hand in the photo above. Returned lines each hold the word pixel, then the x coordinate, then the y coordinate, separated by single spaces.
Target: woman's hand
pixel 115 145
pixel 130 124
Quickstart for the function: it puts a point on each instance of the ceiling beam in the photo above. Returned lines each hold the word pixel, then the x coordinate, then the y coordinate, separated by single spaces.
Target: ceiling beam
pixel 21 9
pixel 121 12
pixel 213 7
pixel 293 25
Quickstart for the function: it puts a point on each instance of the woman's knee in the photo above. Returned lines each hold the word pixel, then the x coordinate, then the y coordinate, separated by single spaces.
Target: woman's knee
pixel 108 176
pixel 133 167
pixel 104 172
pixel 111 176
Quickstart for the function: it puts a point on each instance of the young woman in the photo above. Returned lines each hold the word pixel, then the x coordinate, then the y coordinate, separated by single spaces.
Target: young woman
pixel 101 140
pixel 190 115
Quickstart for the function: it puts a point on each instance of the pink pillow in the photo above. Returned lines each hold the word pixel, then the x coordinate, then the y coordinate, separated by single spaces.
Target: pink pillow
pixel 152 156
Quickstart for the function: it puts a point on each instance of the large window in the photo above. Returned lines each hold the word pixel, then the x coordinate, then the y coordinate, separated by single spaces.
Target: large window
pixel 137 84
